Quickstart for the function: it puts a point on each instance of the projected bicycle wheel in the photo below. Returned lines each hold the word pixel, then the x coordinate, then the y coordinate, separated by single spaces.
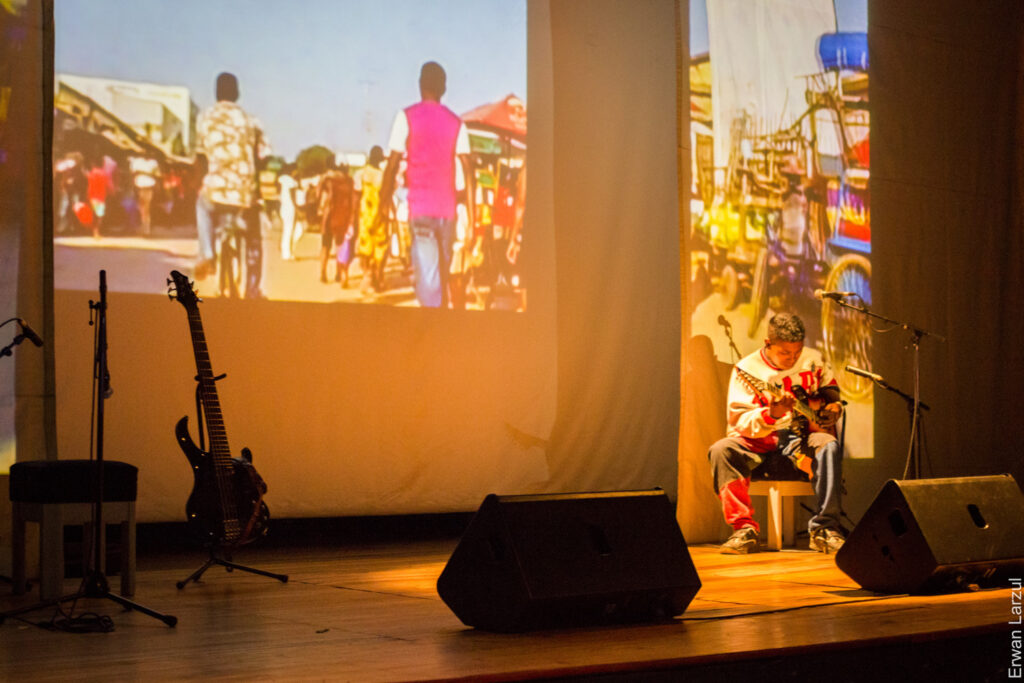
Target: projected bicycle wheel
pixel 847 333
pixel 231 266
pixel 758 293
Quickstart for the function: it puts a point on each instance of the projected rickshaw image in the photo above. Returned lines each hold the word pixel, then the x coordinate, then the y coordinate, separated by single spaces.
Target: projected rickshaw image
pixel 789 213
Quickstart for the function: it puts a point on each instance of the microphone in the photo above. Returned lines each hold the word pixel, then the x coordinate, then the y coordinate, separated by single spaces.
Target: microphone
pixel 29 333
pixel 822 294
pixel 724 323
pixel 864 373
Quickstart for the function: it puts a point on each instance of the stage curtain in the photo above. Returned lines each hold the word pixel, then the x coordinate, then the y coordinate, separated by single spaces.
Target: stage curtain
pixel 947 239
pixel 25 239
pixel 616 218
pixel 703 378
pixel 358 410
pixel 946 191
pixel 947 143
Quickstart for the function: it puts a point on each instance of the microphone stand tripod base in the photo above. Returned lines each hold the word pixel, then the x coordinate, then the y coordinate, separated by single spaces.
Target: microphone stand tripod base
pixel 94 586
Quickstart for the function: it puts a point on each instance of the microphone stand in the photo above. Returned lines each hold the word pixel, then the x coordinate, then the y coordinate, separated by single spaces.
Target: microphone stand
pixel 912 469
pixel 728 334
pixel 914 412
pixel 18 338
pixel 95 584
pixel 7 351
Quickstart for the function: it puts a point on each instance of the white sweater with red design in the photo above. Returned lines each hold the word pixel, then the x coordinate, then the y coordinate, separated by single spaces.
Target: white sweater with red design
pixel 748 415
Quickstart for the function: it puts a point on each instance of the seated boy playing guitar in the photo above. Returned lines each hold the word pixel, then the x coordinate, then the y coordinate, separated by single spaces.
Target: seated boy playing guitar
pixel 783 401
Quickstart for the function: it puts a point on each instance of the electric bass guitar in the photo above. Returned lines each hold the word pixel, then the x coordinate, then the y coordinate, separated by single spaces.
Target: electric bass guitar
pixel 226 507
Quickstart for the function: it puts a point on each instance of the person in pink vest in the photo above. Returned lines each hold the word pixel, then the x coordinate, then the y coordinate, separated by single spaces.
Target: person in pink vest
pixel 430 136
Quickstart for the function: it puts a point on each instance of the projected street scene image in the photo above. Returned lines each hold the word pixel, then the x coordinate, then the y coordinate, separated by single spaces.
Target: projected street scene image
pixel 315 151
pixel 780 204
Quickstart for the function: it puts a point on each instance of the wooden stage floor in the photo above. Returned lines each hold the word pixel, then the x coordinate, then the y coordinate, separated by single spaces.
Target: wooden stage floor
pixel 371 613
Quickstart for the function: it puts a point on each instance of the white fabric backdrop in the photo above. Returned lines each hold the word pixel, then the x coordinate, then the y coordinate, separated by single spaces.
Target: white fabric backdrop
pixel 363 410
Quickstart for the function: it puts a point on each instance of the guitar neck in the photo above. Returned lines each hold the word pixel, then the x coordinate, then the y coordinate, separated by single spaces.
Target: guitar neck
pixel 775 392
pixel 218 435
pixel 215 470
pixel 805 410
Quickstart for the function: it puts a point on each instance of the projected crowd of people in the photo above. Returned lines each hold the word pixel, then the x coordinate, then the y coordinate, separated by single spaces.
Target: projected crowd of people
pixel 426 218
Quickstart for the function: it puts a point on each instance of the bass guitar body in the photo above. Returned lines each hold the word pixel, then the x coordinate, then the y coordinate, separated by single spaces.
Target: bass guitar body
pixel 204 510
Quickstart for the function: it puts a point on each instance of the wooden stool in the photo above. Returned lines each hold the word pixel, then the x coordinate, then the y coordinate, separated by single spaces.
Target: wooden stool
pixel 781 517
pixel 56 493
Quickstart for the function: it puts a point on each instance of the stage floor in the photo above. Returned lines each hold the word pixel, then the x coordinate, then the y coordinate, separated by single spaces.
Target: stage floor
pixel 371 613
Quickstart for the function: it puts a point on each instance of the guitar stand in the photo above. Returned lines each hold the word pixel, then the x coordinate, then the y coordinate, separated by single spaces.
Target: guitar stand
pixel 220 555
pixel 220 558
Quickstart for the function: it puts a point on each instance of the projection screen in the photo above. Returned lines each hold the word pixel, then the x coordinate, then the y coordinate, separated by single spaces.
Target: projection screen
pixel 779 202
pixel 322 84
pixel 354 396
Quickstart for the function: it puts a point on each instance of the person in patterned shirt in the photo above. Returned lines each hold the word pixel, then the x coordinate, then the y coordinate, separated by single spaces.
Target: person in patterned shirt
pixel 231 141
pixel 760 428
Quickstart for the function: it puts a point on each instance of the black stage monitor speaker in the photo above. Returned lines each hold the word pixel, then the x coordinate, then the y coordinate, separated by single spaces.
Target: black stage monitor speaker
pixel 937 535
pixel 549 561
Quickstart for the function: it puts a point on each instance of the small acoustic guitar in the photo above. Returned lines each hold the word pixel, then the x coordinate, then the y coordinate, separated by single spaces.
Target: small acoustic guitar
pixel 805 420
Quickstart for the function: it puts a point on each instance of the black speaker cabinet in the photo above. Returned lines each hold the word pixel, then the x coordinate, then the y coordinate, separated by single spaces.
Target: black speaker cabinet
pixel 937 535
pixel 550 561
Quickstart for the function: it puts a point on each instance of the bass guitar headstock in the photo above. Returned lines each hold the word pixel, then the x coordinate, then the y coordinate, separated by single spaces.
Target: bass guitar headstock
pixel 180 287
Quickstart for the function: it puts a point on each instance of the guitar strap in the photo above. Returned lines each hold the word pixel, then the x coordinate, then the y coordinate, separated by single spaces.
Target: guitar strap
pixel 200 418
pixel 200 415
